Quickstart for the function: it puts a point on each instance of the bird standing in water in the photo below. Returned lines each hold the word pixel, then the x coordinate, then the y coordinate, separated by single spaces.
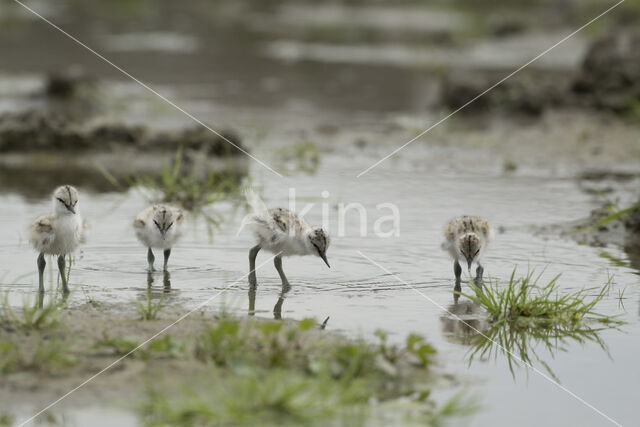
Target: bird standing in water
pixel 285 234
pixel 466 239
pixel 58 233
pixel 160 227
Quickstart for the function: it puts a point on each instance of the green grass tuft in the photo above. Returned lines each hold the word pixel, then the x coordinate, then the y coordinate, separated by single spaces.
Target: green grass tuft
pixel 32 316
pixel 523 302
pixel 527 318
pixel 34 352
pixel 149 310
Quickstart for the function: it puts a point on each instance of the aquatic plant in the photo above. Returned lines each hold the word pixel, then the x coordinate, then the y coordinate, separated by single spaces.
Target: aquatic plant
pixel 523 302
pixel 527 319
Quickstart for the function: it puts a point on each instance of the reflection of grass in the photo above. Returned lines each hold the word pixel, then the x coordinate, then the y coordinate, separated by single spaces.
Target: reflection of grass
pixel 292 373
pixel 516 342
pixel 614 260
pixel 614 212
pixel 524 303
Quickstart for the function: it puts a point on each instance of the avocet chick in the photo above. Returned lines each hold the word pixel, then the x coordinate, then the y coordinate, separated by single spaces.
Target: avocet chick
pixel 285 234
pixel 58 233
pixel 160 227
pixel 466 238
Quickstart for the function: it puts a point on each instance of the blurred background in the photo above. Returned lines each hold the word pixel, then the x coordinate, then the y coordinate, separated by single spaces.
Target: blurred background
pixel 313 68
pixel 355 56
pixel 320 91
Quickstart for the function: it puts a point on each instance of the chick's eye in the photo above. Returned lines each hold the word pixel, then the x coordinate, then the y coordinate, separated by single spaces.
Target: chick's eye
pixel 61 201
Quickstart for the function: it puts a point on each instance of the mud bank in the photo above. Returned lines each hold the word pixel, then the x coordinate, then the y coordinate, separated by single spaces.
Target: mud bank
pixel 607 79
pixel 66 136
pixel 335 374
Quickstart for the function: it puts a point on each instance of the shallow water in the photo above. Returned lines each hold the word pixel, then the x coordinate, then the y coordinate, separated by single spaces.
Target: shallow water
pixel 358 296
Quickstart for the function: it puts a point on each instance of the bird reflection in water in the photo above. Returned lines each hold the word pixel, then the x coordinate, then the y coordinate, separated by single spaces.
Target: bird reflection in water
pixel 63 300
pixel 166 281
pixel 277 309
pixel 463 321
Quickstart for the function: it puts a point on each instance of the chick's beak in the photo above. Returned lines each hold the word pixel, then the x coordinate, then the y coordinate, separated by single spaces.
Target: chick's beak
pixel 71 209
pixel 164 234
pixel 324 258
pixel 469 261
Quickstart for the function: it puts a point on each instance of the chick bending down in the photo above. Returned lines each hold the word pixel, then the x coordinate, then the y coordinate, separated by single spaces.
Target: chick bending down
pixel 284 233
pixel 466 239
pixel 159 227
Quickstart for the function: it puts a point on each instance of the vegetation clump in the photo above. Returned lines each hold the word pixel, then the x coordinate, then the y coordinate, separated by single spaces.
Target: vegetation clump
pixel 525 303
pixel 527 320
pixel 149 310
pixel 222 370
pixel 289 373
pixel 31 316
